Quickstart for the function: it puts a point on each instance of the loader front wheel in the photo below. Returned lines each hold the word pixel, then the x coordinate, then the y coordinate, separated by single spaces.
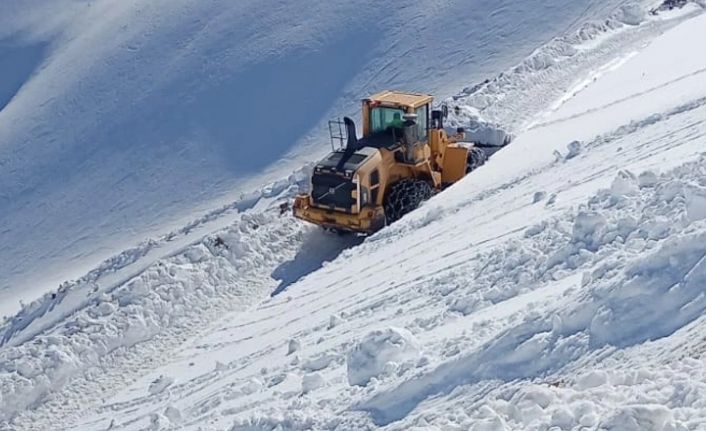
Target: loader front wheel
pixel 476 158
pixel 405 196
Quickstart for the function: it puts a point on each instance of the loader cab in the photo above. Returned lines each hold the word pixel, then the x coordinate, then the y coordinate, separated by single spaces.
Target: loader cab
pixel 383 111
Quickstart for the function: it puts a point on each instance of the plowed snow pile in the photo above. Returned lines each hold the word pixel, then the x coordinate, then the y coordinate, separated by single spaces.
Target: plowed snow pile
pixel 560 286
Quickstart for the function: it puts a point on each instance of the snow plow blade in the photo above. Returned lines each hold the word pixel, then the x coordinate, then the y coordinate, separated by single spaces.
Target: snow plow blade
pixel 366 222
pixel 488 136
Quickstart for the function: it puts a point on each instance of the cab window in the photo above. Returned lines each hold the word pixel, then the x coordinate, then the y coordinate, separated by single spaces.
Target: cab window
pixel 382 119
pixel 422 121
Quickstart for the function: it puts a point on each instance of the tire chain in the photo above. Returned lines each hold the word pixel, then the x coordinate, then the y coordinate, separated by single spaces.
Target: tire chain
pixel 405 197
pixel 476 158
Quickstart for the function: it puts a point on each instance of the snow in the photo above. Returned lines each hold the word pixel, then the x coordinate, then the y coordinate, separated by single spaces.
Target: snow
pixel 161 297
pixel 125 120
pixel 312 382
pixel 380 352
pixel 160 384
pixel 696 203
pixel 539 292
pixel 293 346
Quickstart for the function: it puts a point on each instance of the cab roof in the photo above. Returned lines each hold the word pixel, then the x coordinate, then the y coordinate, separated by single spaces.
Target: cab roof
pixel 399 98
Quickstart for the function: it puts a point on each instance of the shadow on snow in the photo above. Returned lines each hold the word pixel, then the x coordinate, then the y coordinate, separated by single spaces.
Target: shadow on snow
pixel 319 247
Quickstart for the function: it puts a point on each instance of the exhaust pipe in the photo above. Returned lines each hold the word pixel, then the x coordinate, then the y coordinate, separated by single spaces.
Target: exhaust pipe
pixel 351 145
pixel 350 131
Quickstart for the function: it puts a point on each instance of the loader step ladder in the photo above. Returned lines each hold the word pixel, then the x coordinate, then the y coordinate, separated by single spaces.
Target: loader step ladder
pixel 338 134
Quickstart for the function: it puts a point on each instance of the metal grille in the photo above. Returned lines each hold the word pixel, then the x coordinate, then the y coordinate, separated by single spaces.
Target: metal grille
pixel 332 191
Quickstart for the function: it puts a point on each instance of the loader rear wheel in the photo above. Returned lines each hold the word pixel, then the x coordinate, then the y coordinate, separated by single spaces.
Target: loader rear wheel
pixel 404 197
pixel 476 158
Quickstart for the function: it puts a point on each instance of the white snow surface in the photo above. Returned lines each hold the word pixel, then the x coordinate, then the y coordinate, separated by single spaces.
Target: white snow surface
pixel 126 119
pixel 560 286
pixel 380 352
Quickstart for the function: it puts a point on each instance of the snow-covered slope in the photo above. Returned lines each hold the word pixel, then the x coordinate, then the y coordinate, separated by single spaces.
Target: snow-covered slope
pixel 562 284
pixel 120 120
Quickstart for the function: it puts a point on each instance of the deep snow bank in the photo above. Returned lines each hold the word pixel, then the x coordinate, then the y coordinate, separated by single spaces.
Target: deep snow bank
pixel 169 299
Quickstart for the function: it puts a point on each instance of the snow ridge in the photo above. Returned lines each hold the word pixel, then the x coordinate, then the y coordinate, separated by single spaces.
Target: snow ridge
pixel 30 313
pixel 645 263
pixel 514 97
pixel 172 297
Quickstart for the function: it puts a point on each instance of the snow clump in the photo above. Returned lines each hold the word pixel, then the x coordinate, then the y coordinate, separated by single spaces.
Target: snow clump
pixel 379 352
pixel 311 382
pixel 538 197
pixel 696 203
pixel 624 184
pixel 647 179
pixel 632 14
pixel 160 384
pixel 293 346
pixel 574 149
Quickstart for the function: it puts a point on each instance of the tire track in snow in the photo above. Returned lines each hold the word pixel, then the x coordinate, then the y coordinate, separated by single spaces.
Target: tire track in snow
pixel 622 100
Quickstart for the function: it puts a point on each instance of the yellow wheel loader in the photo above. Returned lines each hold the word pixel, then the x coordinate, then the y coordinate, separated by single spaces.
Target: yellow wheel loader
pixel 404 156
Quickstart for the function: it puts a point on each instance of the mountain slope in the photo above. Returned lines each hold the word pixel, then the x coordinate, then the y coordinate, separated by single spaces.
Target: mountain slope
pixel 120 120
pixel 559 285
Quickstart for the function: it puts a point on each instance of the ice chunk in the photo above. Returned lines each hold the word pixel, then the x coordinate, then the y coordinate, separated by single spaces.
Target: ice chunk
pixel 334 321
pixel 173 414
pixel 319 363
pixel 486 133
pixel 495 423
pixel 592 380
pixel 157 422
pixel 563 418
pixel 253 385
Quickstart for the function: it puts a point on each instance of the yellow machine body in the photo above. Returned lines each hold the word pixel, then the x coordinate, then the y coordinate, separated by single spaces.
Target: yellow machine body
pixel 350 195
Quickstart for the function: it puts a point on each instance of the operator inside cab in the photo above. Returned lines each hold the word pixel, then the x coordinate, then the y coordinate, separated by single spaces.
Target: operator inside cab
pixel 384 119
pixel 396 122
